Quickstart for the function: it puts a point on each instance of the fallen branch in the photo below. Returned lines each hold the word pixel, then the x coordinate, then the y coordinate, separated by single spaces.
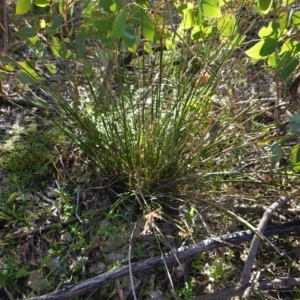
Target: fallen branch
pixel 246 275
pixel 208 244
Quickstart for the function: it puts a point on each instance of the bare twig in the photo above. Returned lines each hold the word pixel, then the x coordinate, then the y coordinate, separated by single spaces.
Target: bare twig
pixel 129 263
pixel 256 240
pixel 77 204
pixel 9 295
pixel 119 290
pixel 46 199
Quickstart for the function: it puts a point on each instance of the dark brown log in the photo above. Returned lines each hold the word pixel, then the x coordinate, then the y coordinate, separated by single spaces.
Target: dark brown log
pixel 208 244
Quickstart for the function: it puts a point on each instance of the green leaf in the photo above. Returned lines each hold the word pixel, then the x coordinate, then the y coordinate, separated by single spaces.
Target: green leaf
pixel 9 68
pixel 149 29
pixel 80 43
pixel 119 26
pixel 171 45
pixel 199 18
pixel 61 6
pixel 264 5
pixel 104 25
pixel 108 5
pixel 51 68
pixel 236 41
pixel 262 49
pixel 270 30
pixel 289 68
pixel 227 25
pixel 294 124
pixel 56 23
pixel 211 8
pixel 42 3
pixel 135 16
pixel 273 60
pixel 284 20
pixel 187 20
pixel 88 68
pixel 277 154
pixel 22 272
pixel 34 40
pixel 296 19
pixel 129 33
pixel 59 49
pixel 26 33
pixel 295 158
pixel 11 198
pixel 283 60
pixel 148 48
pixel 292 46
pixel 286 2
pixel 23 7
pixel 143 3
pixel 28 75
pixel 129 37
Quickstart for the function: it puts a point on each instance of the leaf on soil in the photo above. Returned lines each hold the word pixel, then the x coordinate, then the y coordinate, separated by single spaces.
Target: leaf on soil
pixel 35 281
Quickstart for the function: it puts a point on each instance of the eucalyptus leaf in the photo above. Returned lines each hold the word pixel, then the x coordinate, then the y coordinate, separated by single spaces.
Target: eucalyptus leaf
pixel 262 49
pixel 277 154
pixel 211 8
pixel 149 28
pixel 42 3
pixel 23 6
pixel 227 25
pixel 296 19
pixel 295 158
pixel 119 26
pixel 265 5
pixel 294 124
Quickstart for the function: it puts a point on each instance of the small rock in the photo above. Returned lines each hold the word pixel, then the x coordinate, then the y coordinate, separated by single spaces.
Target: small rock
pixel 156 295
pixel 115 257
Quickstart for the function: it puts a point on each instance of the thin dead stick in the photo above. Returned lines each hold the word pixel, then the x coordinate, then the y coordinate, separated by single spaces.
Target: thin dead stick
pixel 129 262
pixel 9 295
pixel 256 240
pixel 206 245
pixel 119 289
pixel 46 199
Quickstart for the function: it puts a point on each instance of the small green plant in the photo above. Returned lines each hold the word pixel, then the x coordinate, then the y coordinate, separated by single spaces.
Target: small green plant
pixel 217 270
pixel 188 290
pixel 10 272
